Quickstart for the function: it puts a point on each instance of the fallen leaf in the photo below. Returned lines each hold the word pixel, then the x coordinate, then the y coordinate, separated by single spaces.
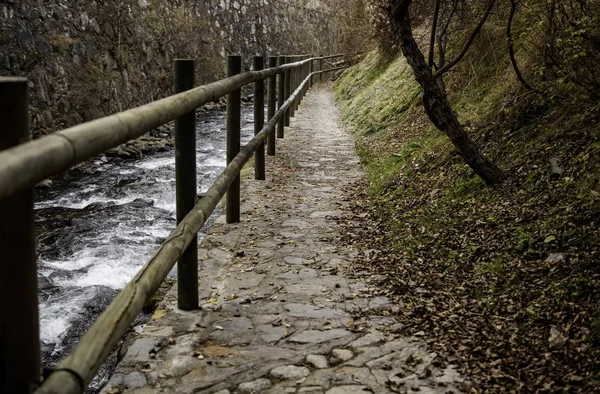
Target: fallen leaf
pixel 158 314
pixel 556 339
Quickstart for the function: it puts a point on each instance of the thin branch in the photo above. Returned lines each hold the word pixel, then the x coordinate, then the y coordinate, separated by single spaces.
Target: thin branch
pixel 443 36
pixel 550 31
pixel 467 45
pixel 436 14
pixel 446 25
pixel 511 49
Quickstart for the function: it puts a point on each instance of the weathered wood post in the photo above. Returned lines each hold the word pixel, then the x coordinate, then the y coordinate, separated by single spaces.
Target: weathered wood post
pixel 300 78
pixel 282 84
pixel 288 91
pixel 234 67
pixel 304 75
pixel 271 98
pixel 310 71
pixel 306 72
pixel 297 70
pixel 19 325
pixel 321 69
pixel 293 85
pixel 259 118
pixel 184 78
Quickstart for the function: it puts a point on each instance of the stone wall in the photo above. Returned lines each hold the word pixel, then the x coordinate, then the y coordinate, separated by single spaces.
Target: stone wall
pixel 86 59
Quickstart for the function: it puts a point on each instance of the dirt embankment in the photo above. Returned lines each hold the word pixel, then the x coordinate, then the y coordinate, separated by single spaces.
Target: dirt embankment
pixel 500 280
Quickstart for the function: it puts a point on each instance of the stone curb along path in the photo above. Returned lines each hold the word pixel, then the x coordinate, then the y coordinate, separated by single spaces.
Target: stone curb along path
pixel 278 315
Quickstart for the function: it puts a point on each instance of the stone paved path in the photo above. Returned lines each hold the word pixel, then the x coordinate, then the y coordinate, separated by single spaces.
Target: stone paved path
pixel 278 314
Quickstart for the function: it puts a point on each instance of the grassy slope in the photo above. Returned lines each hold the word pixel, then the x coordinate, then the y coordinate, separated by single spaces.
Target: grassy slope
pixel 494 272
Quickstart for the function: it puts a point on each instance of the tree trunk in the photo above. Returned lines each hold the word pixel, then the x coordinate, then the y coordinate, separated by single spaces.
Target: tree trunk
pixel 435 102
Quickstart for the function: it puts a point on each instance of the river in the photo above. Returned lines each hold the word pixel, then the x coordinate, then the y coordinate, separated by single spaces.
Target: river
pixel 100 222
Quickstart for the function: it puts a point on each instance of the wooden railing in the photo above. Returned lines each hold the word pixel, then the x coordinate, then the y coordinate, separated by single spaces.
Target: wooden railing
pixel 24 163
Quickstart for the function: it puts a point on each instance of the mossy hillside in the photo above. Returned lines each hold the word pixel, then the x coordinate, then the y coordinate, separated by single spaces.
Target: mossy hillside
pixel 378 98
pixel 523 254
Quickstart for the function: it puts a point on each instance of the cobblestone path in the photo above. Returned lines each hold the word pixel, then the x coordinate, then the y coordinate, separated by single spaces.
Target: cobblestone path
pixel 279 313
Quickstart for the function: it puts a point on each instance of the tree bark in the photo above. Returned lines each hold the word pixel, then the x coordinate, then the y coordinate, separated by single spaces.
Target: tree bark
pixel 435 102
pixel 511 47
pixel 436 14
pixel 470 40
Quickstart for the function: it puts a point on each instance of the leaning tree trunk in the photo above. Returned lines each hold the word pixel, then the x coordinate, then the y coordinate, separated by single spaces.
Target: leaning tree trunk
pixel 435 102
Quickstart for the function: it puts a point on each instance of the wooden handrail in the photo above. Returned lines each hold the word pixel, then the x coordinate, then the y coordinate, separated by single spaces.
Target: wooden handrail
pixel 25 165
pixel 75 371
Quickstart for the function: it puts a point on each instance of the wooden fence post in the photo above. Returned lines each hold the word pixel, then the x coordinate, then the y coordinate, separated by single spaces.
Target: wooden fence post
pixel 288 91
pixel 321 69
pixel 184 78
pixel 259 118
pixel 310 71
pixel 306 73
pixel 294 79
pixel 292 85
pixel 19 324
pixel 271 98
pixel 296 70
pixel 234 67
pixel 281 88
pixel 300 78
pixel 297 83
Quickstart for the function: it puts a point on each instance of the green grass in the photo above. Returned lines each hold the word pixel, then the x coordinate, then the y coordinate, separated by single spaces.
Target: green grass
pixel 375 93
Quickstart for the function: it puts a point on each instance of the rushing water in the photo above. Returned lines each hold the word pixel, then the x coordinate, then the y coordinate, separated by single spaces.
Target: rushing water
pixel 99 224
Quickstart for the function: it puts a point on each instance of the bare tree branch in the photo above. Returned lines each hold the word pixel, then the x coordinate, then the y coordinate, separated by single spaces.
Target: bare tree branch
pixel 434 99
pixel 443 36
pixel 436 14
pixel 511 49
pixel 467 45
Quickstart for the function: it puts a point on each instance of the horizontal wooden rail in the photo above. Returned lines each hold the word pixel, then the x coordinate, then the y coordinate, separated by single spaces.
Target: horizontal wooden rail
pixel 27 164
pixel 327 57
pixel 76 371
pixel 331 70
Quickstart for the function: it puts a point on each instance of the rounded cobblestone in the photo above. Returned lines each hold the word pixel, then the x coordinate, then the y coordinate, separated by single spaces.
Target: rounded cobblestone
pixel 255 387
pixel 290 372
pixel 317 361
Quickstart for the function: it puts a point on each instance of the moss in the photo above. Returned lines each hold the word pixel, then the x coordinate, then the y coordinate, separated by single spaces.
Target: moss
pixel 373 95
pixel 360 76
